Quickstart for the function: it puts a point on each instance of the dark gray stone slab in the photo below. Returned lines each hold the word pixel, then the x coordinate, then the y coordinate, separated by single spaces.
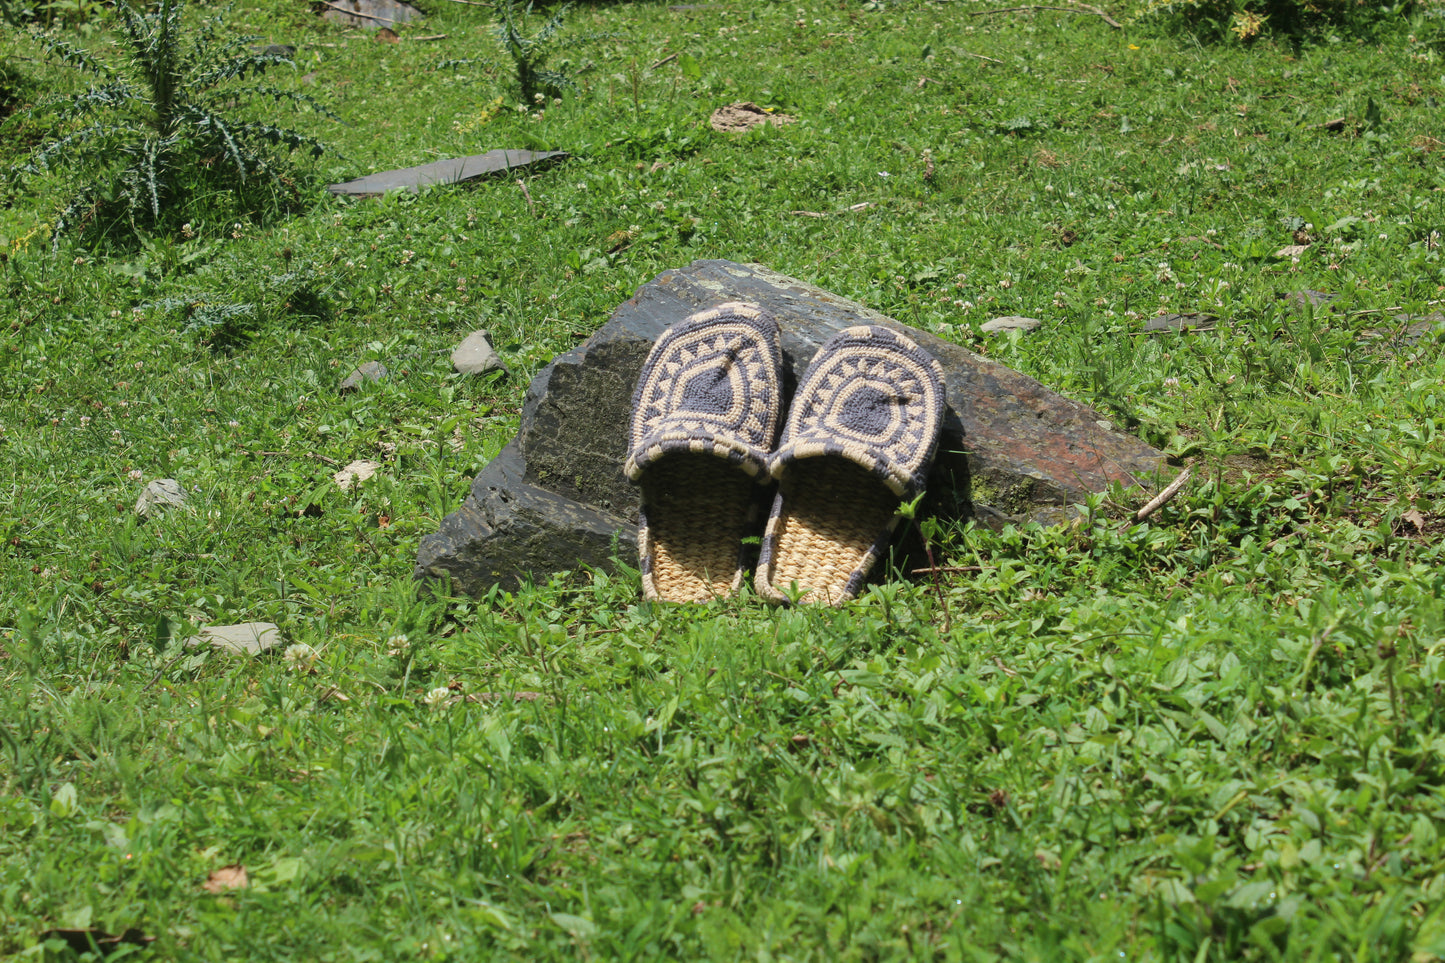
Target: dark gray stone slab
pixel 454 170
pixel 510 527
pixel 556 496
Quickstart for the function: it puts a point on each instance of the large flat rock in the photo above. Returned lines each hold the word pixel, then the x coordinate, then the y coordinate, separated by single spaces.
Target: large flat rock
pixel 453 170
pixel 556 496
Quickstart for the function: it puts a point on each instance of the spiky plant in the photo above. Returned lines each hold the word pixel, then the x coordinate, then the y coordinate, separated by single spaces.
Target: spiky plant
pixel 531 52
pixel 160 127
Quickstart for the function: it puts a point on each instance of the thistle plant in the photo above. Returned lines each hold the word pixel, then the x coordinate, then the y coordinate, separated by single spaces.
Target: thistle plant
pixel 160 129
pixel 531 53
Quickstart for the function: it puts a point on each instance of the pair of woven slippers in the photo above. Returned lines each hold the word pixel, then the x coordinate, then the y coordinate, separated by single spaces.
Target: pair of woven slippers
pixel 859 439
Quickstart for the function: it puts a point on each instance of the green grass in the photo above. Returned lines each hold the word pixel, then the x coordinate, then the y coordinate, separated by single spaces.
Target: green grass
pixel 1212 736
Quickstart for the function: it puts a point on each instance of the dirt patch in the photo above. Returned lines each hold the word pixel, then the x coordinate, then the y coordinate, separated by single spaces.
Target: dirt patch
pixel 742 116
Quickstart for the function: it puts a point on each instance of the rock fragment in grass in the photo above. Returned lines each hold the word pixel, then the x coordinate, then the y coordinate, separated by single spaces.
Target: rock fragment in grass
pixel 743 115
pixel 1408 331
pixel 367 373
pixel 1301 301
pixel 160 493
pixel 245 638
pixel 1012 322
pixel 355 473
pixel 454 170
pixel 369 14
pixel 1183 323
pixel 475 355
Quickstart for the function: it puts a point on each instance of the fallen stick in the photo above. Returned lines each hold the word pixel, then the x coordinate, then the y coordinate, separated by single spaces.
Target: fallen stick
pixel 1081 8
pixel 1159 500
pixel 665 60
pixel 946 570
pixel 290 454
pixel 847 210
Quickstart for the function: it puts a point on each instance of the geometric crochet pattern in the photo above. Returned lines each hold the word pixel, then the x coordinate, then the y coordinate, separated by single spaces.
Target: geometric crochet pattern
pixel 861 436
pixel 705 415
pixel 712 384
pixel 875 398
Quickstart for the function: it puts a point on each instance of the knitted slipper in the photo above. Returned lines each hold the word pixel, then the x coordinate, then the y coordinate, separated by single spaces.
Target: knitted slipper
pixel 860 437
pixel 704 417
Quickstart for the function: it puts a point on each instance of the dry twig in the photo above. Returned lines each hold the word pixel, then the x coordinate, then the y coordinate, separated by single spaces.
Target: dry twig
pixel 290 454
pixel 1078 8
pixel 528 195
pixel 1161 499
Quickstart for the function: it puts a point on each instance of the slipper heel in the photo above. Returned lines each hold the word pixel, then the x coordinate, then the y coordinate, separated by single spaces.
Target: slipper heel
pixel 704 417
pixel 861 435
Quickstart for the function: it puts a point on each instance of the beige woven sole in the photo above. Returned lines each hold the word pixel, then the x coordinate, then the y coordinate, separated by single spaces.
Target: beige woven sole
pixel 697 510
pixel 836 517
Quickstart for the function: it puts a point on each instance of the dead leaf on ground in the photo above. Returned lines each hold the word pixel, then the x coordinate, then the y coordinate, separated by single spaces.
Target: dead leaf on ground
pixel 355 473
pixel 387 35
pixel 743 116
pixel 1292 250
pixel 226 878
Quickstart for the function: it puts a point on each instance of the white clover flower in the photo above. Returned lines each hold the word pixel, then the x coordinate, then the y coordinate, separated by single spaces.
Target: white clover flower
pixel 397 645
pixel 438 697
pixel 300 656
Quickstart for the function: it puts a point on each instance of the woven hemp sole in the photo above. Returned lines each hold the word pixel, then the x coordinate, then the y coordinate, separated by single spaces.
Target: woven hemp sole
pixel 699 510
pixel 834 511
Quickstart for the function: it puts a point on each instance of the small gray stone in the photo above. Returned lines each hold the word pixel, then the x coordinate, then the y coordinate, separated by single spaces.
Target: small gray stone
pixel 247 638
pixel 1310 300
pixel 475 355
pixel 1191 321
pixel 1011 322
pixel 370 372
pixel 160 493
